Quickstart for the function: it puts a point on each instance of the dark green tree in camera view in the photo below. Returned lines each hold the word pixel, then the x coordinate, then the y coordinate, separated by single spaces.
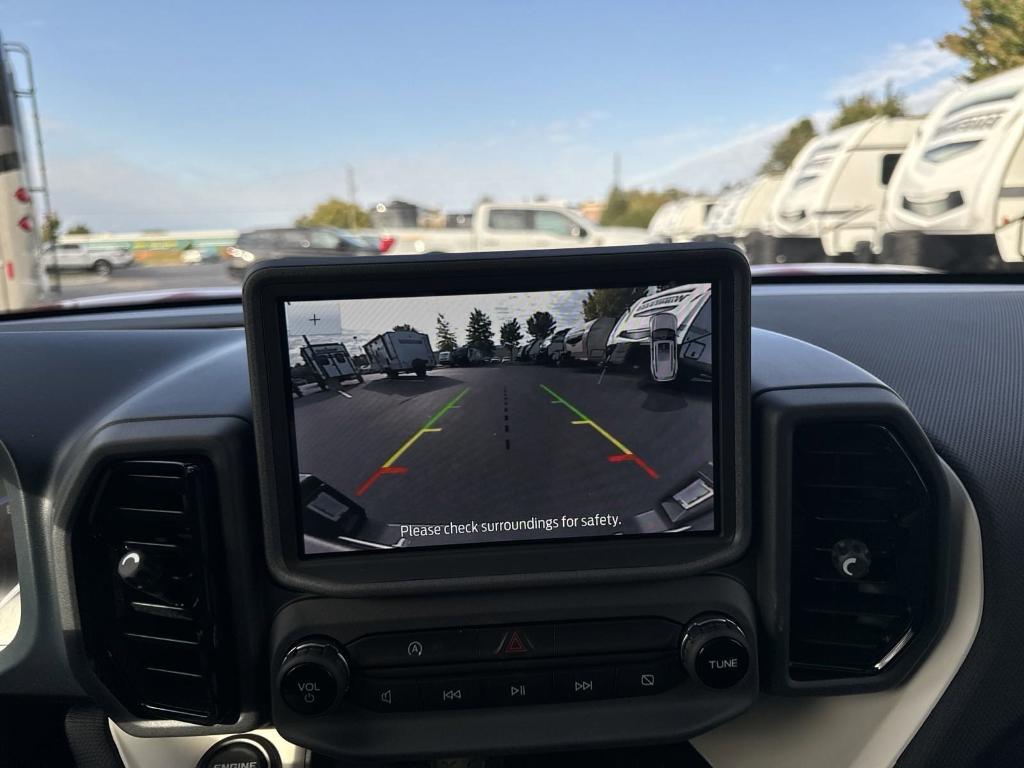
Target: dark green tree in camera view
pixel 992 40
pixel 479 333
pixel 540 325
pixel 404 327
pixel 609 302
pixel 446 341
pixel 511 334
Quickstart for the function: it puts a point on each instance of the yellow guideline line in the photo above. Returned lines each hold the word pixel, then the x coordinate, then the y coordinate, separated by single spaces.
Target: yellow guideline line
pixel 584 419
pixel 428 427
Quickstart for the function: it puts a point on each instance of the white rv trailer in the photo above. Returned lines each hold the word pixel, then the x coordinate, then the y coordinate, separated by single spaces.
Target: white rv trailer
pixel 399 352
pixel 830 202
pixel 957 197
pixel 680 221
pixel 633 330
pixel 22 280
pixel 741 216
pixel 586 343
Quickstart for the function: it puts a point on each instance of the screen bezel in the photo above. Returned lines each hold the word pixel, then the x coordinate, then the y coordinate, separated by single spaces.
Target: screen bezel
pixel 515 563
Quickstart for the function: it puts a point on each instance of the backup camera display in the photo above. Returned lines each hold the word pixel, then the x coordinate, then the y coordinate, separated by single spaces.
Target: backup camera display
pixel 469 419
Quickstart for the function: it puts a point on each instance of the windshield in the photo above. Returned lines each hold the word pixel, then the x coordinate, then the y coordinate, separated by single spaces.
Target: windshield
pixel 156 151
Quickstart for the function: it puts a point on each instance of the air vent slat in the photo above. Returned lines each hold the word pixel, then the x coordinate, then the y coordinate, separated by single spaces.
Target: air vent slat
pixel 160 640
pixel 856 494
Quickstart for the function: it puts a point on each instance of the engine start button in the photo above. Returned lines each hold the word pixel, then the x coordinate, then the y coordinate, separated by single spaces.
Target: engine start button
pixel 236 754
pixel 721 662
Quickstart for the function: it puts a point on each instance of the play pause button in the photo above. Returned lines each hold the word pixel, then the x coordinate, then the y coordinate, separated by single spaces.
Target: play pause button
pixel 582 684
pixel 526 688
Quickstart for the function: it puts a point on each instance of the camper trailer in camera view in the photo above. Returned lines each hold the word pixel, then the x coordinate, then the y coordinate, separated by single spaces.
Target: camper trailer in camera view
pixel 956 199
pixel 586 343
pixel 830 203
pixel 329 361
pixel 630 339
pixel 398 352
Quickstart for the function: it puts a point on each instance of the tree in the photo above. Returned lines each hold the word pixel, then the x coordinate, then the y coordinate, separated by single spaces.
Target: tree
pixel 479 333
pixel 446 341
pixel 335 213
pixel 79 229
pixel 609 302
pixel 865 106
pixel 404 327
pixel 540 325
pixel 992 40
pixel 511 333
pixel 785 150
pixel 51 227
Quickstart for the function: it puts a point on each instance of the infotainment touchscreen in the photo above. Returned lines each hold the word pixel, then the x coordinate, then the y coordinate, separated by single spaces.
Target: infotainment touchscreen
pixel 428 421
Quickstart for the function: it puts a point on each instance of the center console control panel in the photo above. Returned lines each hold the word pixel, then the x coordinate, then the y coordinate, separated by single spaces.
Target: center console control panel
pixel 376 678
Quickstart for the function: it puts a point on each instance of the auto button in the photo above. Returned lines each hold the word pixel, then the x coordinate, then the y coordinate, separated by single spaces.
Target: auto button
pixel 414 648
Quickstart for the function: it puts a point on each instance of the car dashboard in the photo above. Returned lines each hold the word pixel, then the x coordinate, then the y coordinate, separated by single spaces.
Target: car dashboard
pixel 133 431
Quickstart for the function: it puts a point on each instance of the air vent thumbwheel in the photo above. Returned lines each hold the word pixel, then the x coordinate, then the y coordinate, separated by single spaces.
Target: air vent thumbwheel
pixel 314 676
pixel 714 650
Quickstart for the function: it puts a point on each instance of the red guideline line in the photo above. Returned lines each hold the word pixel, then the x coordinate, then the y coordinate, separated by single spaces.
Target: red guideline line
pixel 636 460
pixel 376 475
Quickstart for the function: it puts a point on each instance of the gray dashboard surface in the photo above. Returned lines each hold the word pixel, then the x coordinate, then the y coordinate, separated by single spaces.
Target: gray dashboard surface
pixel 957 359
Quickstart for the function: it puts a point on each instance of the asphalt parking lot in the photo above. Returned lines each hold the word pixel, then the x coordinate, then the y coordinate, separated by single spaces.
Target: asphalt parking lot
pixel 77 285
pixel 506 443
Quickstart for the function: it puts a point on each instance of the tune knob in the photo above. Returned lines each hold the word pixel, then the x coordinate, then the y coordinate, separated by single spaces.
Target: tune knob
pixel 313 677
pixel 714 651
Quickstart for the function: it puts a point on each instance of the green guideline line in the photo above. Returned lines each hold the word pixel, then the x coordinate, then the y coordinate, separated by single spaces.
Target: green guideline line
pixel 448 406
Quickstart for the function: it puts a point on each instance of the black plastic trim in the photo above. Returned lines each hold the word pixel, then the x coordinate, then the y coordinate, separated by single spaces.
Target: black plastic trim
pixel 519 564
pixel 778 414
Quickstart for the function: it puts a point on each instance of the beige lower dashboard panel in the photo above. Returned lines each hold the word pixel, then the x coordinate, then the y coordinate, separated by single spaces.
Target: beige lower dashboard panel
pixel 867 730
pixel 186 751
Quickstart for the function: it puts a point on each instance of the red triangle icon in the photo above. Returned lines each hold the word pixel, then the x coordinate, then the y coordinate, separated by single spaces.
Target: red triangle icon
pixel 514 644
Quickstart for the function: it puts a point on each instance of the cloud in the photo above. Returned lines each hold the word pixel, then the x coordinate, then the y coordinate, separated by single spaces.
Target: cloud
pixel 905 65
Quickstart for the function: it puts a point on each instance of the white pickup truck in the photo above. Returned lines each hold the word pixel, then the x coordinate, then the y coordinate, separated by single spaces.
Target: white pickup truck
pixel 512 227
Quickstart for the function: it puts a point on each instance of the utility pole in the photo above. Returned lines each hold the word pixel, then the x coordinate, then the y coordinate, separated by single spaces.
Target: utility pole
pixel 350 181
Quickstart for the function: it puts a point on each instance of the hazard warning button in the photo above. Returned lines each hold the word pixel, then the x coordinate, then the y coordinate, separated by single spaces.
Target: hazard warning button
pixel 516 642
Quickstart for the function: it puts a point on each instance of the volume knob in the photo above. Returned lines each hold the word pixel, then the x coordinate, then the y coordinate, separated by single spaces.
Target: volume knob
pixel 314 676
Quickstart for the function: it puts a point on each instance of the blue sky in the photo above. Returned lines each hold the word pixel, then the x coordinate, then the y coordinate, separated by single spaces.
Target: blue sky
pixel 240 114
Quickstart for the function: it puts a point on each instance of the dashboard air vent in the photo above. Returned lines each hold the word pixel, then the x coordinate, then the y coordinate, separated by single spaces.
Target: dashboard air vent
pixel 861 555
pixel 154 620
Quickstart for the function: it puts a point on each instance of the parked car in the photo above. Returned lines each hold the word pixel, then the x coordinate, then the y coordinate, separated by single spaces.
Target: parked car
pixel 202 255
pixel 467 356
pixel 263 244
pixel 74 257
pixel 444 358
pixel 510 227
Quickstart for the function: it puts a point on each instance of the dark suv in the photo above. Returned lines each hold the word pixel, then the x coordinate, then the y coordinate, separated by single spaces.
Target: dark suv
pixel 262 244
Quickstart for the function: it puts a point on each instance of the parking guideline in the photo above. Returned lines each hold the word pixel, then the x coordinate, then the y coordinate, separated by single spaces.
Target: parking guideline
pixel 625 453
pixel 388 468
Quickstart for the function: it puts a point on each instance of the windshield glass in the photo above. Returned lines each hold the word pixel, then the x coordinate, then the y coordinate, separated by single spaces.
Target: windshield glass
pixel 157 151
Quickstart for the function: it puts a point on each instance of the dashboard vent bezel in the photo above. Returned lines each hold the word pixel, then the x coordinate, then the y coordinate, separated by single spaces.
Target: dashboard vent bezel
pixel 854 481
pixel 163 659
pixel 779 415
